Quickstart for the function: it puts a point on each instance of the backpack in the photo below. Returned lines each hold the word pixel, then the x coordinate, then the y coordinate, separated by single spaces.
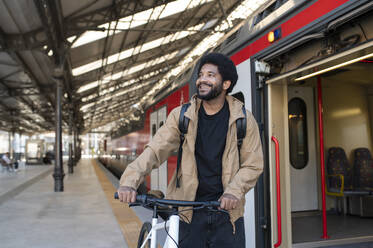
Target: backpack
pixel 183 127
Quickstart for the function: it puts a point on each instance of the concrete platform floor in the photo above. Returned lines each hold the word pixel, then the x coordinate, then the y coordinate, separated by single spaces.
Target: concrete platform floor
pixel 33 215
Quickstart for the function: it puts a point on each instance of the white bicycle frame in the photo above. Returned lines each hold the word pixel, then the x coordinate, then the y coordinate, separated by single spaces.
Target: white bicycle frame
pixel 172 240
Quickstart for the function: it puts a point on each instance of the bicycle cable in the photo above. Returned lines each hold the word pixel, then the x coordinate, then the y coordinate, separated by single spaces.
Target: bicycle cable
pixel 165 228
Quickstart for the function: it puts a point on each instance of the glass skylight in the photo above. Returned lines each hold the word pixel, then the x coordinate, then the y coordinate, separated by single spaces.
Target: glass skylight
pixel 127 72
pixel 103 92
pixel 133 51
pixel 137 19
pixel 115 104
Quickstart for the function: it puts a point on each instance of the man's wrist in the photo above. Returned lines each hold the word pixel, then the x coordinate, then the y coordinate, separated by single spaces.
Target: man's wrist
pixel 126 188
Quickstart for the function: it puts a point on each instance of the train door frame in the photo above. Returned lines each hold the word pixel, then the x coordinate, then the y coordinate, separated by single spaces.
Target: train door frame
pixel 158 177
pixel 163 168
pixel 261 190
pixel 154 180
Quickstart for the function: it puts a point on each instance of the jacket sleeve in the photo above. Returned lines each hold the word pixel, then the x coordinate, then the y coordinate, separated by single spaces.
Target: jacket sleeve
pixel 251 161
pixel 164 142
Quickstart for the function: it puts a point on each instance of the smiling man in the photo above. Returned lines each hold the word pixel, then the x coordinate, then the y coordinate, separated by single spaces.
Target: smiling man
pixel 212 167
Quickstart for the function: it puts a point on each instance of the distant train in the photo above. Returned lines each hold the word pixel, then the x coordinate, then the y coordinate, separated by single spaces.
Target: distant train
pixel 305 71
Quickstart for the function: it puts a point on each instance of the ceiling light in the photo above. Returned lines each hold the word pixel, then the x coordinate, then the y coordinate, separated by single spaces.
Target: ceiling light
pixel 334 67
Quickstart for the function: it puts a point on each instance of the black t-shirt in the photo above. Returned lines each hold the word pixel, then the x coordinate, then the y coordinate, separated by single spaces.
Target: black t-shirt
pixel 209 148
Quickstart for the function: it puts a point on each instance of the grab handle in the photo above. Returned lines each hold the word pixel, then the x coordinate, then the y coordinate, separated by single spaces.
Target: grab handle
pixel 278 188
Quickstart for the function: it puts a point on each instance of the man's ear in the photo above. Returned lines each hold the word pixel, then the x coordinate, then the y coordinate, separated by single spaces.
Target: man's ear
pixel 226 84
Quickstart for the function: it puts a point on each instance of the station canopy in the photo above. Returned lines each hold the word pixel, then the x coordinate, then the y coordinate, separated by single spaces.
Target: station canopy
pixel 111 56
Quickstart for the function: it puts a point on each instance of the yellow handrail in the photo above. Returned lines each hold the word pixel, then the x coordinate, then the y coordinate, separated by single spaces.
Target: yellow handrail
pixel 340 193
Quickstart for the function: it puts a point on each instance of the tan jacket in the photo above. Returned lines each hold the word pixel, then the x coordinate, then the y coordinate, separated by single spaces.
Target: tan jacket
pixel 237 179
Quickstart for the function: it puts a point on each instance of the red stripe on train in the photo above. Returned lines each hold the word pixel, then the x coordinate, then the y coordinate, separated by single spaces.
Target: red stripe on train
pixel 300 20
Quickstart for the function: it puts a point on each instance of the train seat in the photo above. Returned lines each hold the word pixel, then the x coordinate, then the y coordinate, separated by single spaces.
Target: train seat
pixel 362 204
pixel 340 172
pixel 363 170
pixel 340 178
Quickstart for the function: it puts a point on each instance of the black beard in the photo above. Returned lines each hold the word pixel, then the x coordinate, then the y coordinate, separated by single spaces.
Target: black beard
pixel 214 92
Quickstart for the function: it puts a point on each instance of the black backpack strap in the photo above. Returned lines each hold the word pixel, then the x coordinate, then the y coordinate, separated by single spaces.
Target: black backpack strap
pixel 241 131
pixel 183 127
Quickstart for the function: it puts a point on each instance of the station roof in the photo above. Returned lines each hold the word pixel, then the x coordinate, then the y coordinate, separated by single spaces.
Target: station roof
pixel 111 56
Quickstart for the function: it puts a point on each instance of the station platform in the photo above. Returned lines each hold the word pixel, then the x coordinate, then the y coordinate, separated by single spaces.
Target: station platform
pixel 84 215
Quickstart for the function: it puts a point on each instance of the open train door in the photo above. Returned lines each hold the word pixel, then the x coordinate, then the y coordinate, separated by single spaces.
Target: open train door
pixel 292 157
pixel 278 173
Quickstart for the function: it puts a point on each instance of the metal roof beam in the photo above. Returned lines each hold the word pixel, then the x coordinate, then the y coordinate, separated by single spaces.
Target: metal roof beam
pixel 10 114
pixel 110 107
pixel 146 74
pixel 11 93
pixel 118 89
pixel 37 39
pixel 97 122
pixel 101 16
pixel 127 63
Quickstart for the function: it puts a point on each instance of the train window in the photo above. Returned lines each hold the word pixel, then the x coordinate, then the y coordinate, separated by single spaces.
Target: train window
pixel 298 133
pixel 271 8
pixel 154 129
pixel 232 37
pixel 161 124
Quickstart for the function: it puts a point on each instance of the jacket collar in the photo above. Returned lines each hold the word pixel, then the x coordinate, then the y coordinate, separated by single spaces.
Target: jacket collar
pixel 235 108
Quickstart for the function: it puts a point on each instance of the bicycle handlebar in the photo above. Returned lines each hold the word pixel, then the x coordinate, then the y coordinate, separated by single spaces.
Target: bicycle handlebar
pixel 145 199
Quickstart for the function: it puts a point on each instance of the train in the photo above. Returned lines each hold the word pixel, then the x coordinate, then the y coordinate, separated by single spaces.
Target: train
pixel 304 70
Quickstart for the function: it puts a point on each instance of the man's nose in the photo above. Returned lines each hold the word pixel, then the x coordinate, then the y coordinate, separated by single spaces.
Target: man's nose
pixel 202 78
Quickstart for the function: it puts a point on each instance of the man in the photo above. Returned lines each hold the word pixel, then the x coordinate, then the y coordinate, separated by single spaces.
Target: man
pixel 212 168
pixel 11 165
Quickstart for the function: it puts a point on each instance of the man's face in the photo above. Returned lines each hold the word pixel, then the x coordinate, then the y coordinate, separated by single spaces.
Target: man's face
pixel 209 83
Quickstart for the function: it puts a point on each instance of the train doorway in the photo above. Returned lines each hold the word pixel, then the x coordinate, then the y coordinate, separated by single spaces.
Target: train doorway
pixel 346 97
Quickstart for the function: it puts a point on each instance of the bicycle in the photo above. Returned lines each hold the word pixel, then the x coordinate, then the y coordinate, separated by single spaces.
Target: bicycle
pixel 168 211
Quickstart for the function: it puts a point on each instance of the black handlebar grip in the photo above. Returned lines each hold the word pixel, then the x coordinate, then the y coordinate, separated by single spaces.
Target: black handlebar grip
pixel 139 198
pixel 215 204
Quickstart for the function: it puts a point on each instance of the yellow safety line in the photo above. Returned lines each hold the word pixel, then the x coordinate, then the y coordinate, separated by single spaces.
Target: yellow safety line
pixel 127 219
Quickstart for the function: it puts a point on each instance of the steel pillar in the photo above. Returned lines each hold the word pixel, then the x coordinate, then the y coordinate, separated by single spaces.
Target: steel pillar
pixel 10 143
pixel 71 163
pixel 58 167
pixel 75 145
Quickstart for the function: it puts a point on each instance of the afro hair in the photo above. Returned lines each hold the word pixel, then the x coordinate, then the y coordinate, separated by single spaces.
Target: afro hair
pixel 225 65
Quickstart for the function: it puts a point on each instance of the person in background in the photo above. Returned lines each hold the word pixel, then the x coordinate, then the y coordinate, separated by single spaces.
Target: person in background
pixel 13 165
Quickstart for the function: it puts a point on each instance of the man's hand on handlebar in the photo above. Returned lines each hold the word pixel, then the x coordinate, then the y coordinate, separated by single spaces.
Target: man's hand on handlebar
pixel 127 194
pixel 228 202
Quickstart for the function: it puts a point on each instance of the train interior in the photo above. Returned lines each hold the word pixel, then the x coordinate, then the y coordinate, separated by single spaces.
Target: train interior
pixel 347 113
